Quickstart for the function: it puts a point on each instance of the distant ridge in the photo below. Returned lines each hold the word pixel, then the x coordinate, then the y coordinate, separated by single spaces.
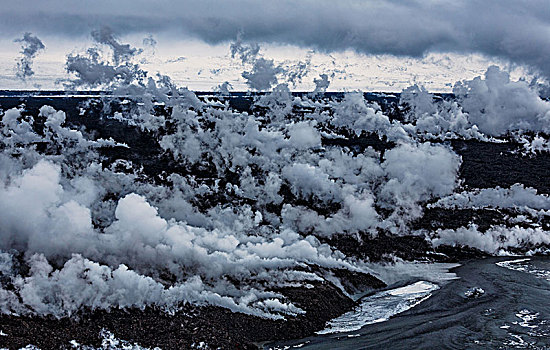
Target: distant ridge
pixel 95 93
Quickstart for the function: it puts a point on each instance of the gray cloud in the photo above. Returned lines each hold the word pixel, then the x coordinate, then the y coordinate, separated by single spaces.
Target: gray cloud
pixel 30 46
pixel 121 52
pixel 513 30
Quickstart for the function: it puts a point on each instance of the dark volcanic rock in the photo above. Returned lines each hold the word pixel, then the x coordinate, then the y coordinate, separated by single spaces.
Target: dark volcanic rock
pixel 460 253
pixel 486 165
pixel 436 218
pixel 483 218
pixel 380 247
pixel 216 326
pixel 357 282
pixel 360 143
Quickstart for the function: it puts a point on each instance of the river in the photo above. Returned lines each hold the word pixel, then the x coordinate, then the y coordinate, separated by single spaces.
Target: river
pixel 511 309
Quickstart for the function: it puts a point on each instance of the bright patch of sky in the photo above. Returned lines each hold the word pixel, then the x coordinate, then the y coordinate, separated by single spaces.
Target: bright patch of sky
pixel 203 67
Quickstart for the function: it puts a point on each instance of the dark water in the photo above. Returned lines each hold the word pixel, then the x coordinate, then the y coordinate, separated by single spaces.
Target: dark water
pixel 514 312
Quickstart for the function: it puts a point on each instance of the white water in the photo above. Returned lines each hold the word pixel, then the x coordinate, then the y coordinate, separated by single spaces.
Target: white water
pixel 526 265
pixel 381 306
pixel 528 324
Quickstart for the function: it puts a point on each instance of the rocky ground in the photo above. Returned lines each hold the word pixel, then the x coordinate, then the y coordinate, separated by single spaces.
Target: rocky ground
pixel 215 326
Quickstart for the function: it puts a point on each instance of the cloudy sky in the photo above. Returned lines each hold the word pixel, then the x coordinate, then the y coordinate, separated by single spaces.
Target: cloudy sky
pixel 367 44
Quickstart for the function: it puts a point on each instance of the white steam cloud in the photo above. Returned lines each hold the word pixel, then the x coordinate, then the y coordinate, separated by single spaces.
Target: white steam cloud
pixel 107 236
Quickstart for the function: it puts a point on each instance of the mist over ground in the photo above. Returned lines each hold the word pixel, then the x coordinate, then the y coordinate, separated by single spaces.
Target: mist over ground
pixel 125 232
pixel 145 195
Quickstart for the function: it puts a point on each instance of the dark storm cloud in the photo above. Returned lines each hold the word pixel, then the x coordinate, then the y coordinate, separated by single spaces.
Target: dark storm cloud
pixel 518 31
